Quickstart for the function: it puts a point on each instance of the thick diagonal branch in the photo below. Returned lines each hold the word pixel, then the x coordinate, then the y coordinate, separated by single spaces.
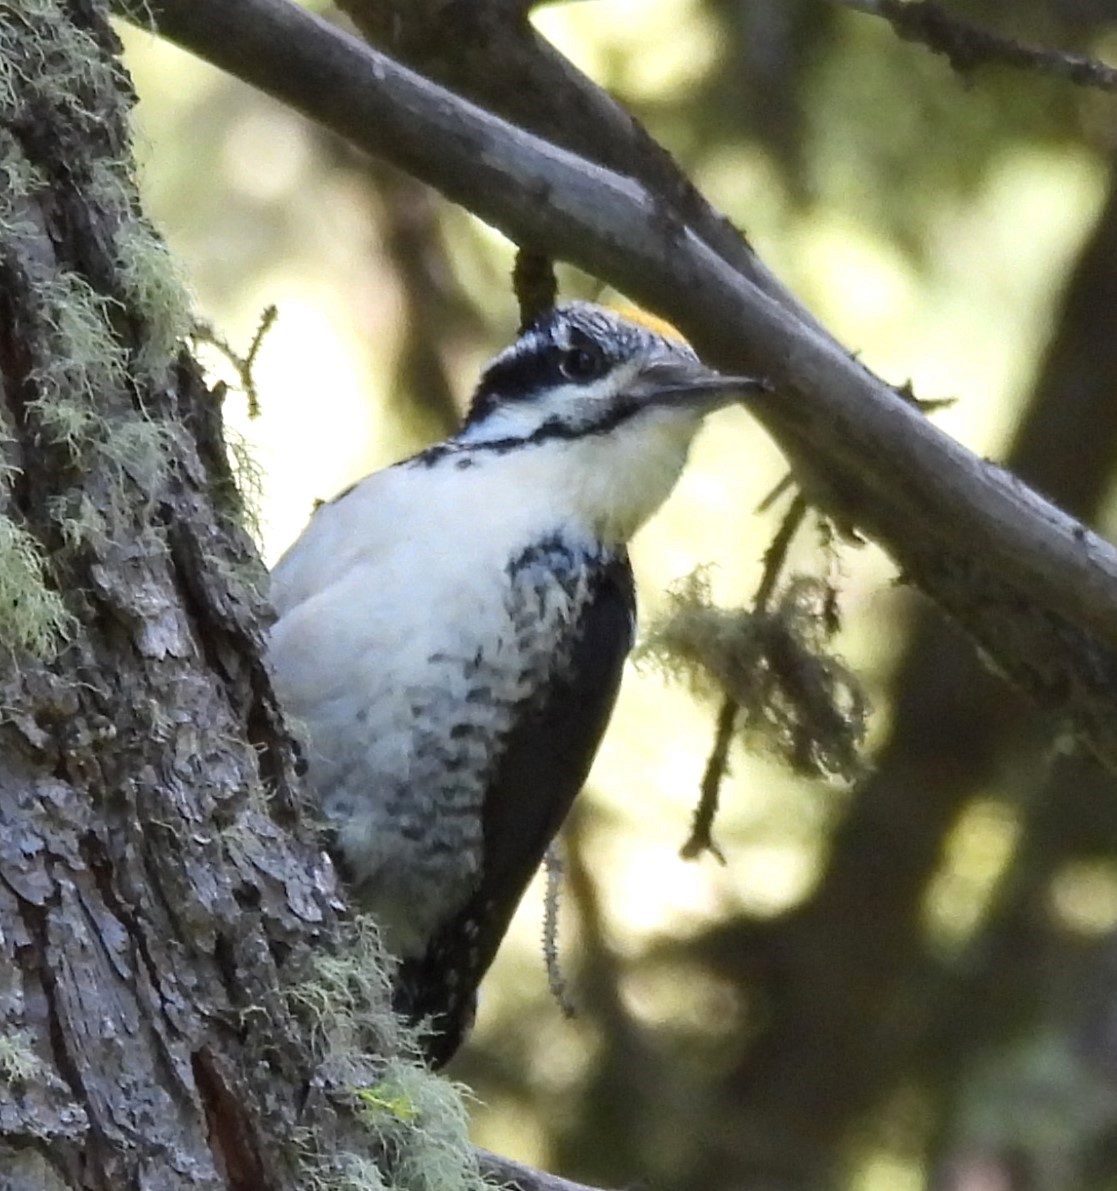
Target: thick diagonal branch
pixel 1025 581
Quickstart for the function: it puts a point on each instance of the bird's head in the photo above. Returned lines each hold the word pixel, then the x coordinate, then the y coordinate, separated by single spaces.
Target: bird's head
pixel 600 408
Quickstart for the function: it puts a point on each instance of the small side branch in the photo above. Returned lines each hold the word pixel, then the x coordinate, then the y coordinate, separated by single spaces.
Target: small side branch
pixel 967 46
pixel 717 765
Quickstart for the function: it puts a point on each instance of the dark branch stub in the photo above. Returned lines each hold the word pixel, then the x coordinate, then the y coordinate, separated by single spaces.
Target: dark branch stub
pixel 533 281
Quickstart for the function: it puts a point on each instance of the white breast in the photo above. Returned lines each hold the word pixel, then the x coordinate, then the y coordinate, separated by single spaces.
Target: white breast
pixel 396 650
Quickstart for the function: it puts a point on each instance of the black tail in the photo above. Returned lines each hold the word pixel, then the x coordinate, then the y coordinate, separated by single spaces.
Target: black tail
pixel 434 999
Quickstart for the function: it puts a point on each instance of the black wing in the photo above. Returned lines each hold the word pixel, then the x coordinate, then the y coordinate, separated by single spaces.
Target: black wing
pixel 545 763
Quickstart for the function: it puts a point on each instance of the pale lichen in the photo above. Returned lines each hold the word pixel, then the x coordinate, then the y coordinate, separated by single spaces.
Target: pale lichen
pixel 18 1061
pixel 153 282
pixel 78 67
pixel 414 1122
pixel 248 477
pixel 796 698
pixel 33 616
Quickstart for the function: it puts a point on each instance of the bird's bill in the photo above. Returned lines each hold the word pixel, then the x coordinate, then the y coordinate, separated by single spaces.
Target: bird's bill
pixel 690 383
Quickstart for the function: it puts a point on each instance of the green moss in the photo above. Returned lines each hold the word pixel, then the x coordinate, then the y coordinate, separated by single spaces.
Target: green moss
pixel 33 618
pixel 77 64
pixel 83 361
pixel 249 478
pixel 84 337
pixel 421 1120
pixel 415 1122
pixel 138 449
pixel 350 1172
pixel 348 997
pixel 79 520
pixel 18 177
pixel 153 284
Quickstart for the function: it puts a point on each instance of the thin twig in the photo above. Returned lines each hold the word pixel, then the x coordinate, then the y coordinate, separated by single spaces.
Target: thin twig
pixel 717 767
pixel 967 46
pixel 776 554
pixel 717 764
pixel 243 365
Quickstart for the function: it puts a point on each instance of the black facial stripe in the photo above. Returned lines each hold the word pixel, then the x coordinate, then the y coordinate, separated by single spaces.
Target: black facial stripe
pixel 542 361
pixel 571 344
pixel 552 430
pixel 613 415
pixel 521 375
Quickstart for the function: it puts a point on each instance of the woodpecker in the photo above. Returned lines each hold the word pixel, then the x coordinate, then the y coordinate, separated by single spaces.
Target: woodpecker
pixel 451 631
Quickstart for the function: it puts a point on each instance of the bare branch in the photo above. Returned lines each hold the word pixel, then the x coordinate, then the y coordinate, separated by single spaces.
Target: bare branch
pixel 967 47
pixel 540 91
pixel 1033 587
pixel 518 1177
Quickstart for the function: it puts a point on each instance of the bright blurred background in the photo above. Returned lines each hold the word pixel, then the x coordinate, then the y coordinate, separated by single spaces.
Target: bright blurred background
pixel 905 984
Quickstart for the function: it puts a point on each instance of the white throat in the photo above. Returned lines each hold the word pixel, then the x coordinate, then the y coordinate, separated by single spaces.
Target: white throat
pixel 604 485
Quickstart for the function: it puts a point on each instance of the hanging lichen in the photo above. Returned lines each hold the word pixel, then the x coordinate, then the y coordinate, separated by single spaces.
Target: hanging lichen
pixel 794 698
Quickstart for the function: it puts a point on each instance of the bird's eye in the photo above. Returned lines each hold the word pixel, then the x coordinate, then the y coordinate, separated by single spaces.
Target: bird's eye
pixel 582 363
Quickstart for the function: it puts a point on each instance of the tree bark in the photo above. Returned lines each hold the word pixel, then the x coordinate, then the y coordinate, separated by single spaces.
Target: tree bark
pixel 183 1002
pixel 154 897
pixel 161 913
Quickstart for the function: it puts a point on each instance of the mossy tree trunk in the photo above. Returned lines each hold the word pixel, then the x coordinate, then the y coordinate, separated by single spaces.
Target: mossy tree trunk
pixel 154 894
pixel 183 1000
